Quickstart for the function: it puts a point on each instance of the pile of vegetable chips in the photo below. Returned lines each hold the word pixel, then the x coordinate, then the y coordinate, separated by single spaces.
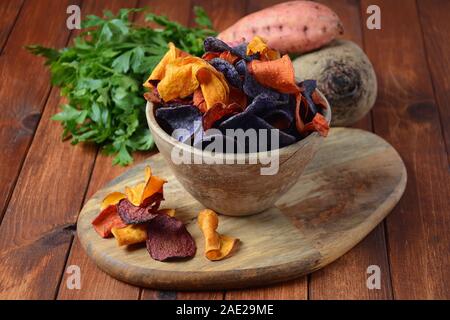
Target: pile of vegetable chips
pixel 134 217
pixel 249 86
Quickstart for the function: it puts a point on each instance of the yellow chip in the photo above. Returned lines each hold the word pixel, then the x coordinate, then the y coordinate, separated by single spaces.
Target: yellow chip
pixel 160 70
pixel 227 246
pixel 178 82
pixel 134 194
pixel 131 234
pixel 185 74
pixel 214 87
pixel 152 184
pixel 259 45
pixel 112 199
pixel 217 247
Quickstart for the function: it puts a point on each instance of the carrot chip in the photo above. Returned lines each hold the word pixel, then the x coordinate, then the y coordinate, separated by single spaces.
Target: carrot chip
pixel 277 74
pixel 112 199
pixel 106 220
pixel 217 246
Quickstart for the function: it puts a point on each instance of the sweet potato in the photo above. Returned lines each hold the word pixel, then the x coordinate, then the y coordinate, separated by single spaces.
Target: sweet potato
pixel 289 27
pixel 345 76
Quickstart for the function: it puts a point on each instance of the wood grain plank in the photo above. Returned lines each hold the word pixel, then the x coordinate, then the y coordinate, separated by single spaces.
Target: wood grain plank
pixel 436 29
pixel 38 226
pixel 407 116
pixel 9 10
pixel 346 278
pixel 22 101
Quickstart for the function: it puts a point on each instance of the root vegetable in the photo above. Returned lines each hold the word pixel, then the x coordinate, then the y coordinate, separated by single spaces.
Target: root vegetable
pixel 345 76
pixel 289 27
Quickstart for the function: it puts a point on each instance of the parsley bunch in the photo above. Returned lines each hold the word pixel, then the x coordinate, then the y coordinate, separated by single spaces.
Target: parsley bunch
pixel 101 76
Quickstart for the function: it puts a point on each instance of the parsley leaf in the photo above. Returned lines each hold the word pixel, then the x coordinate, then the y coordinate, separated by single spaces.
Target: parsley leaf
pixel 101 76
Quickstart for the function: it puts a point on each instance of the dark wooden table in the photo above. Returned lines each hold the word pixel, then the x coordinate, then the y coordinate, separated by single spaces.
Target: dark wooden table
pixel 45 182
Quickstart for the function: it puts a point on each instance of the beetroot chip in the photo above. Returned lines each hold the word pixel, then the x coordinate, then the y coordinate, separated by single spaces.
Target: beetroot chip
pixel 168 238
pixel 131 214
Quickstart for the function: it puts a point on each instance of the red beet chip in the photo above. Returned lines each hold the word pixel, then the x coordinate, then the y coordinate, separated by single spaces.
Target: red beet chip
pixel 131 214
pixel 168 238
pixel 106 220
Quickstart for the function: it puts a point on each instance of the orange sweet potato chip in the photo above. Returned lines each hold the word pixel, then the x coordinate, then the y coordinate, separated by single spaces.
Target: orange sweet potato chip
pixel 134 194
pixel 179 80
pixel 160 70
pixel 131 234
pixel 277 74
pixel 152 184
pixel 319 124
pixel 112 199
pixel 106 220
pixel 213 84
pixel 259 45
pixel 217 247
pixel 184 75
pixel 217 112
pixel 199 101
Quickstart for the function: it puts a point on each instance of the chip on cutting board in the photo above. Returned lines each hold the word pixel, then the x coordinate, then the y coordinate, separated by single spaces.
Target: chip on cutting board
pixel 217 246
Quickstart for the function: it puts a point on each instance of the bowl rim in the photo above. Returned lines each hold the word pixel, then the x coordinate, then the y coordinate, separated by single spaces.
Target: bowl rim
pixel 287 150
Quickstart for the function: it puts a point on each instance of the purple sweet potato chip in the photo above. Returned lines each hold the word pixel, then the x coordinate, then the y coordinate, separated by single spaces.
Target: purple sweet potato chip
pixel 261 104
pixel 168 238
pixel 212 44
pixel 308 87
pixel 279 118
pixel 185 117
pixel 131 214
pixel 241 51
pixel 228 71
pixel 241 67
pixel 215 141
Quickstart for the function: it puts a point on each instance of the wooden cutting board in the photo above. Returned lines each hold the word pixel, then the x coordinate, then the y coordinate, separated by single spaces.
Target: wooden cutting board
pixel 353 182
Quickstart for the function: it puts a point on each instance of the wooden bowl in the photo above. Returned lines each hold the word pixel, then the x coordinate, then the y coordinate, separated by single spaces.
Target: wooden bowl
pixel 236 188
